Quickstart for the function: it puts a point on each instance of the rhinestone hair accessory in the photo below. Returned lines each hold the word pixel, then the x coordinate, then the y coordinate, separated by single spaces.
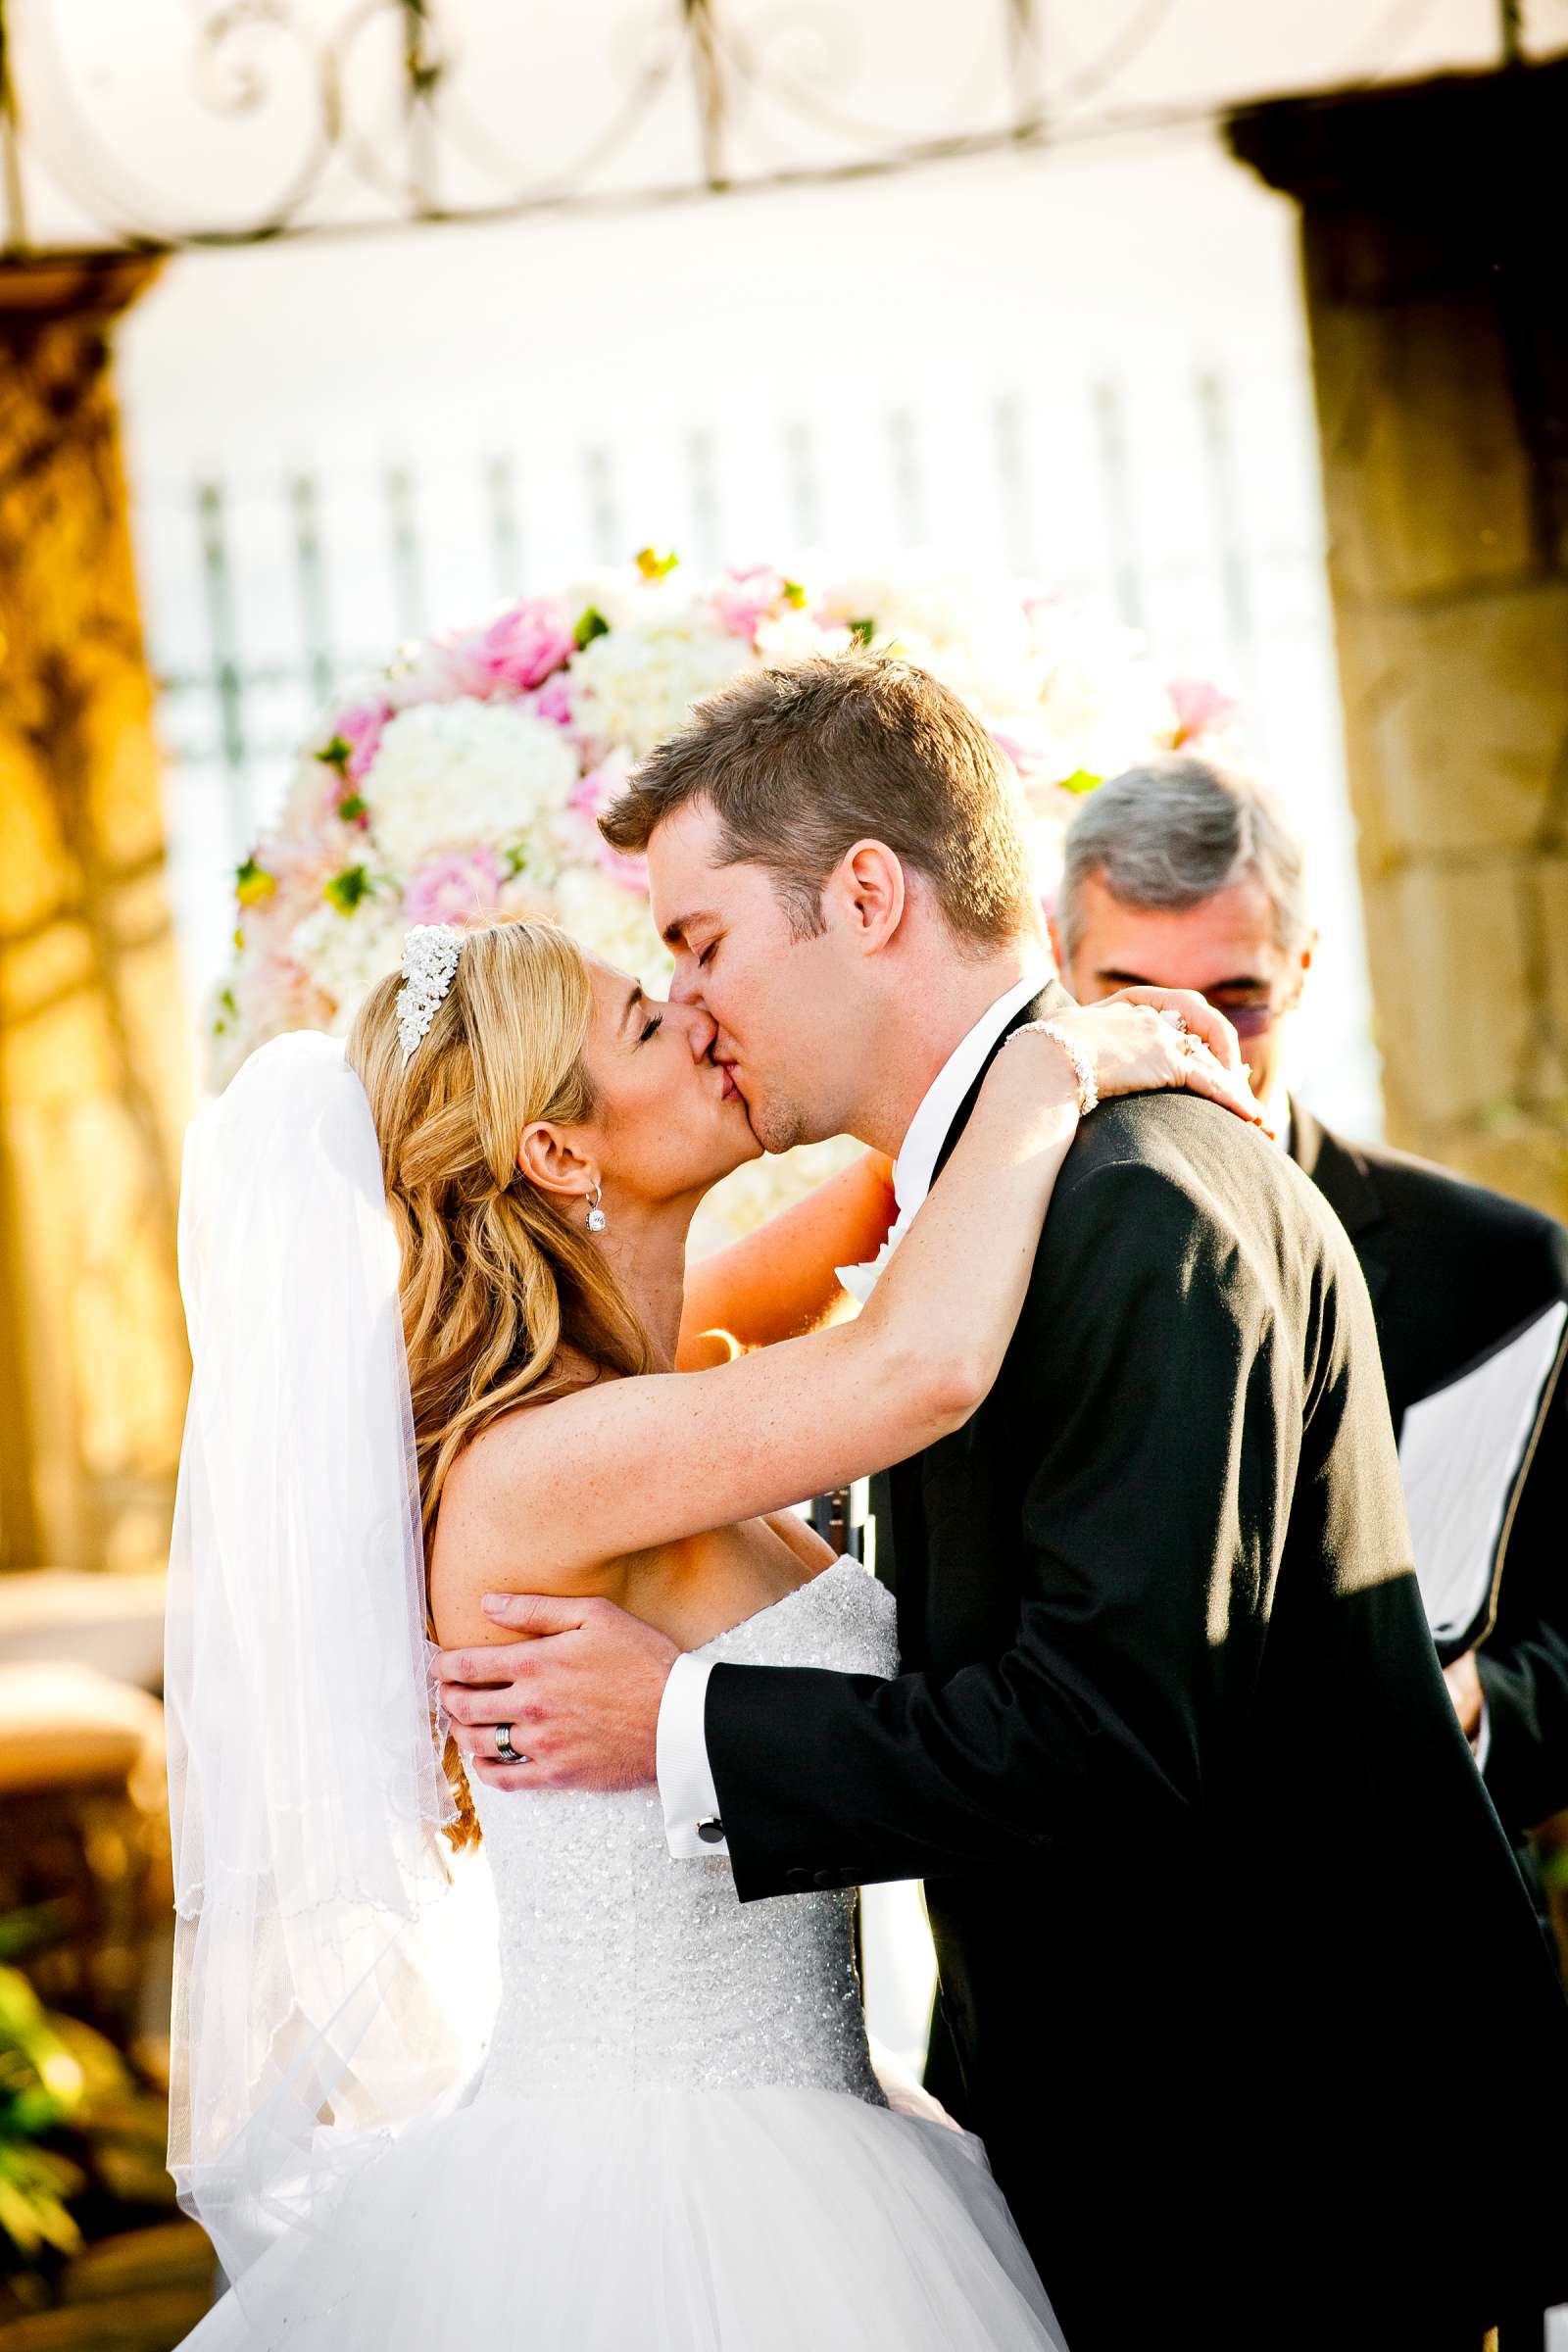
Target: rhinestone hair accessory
pixel 429 960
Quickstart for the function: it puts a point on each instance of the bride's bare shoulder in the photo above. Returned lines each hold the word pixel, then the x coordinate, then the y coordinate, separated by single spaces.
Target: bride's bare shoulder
pixel 504 1521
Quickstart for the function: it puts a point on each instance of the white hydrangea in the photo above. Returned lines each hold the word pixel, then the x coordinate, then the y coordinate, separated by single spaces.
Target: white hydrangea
pixel 796 636
pixel 463 774
pixel 634 686
pixel 1100 702
pixel 625 599
pixel 306 798
pixel 346 955
pixel 613 922
pixel 971 633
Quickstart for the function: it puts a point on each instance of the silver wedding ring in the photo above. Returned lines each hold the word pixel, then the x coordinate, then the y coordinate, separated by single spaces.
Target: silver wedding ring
pixel 504 1747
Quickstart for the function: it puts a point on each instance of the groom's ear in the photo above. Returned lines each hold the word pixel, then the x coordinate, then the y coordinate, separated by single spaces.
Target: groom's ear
pixel 867 892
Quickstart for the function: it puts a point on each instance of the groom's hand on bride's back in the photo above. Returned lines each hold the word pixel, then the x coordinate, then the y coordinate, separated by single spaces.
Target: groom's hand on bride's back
pixel 580 1691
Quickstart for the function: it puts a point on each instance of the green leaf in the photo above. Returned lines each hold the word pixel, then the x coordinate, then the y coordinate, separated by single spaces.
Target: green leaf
pixel 862 631
pixel 1081 780
pixel 43 1923
pixel 337 753
pixel 794 594
pixel 32 2213
pixel 591 624
pixel 347 889
pixel 350 807
pixel 253 883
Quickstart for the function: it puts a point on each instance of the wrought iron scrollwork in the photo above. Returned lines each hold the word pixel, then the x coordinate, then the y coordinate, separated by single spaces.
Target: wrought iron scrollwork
pixel 232 122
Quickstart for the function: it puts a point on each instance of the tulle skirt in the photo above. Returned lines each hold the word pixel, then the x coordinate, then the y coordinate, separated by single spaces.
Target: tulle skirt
pixel 712 2221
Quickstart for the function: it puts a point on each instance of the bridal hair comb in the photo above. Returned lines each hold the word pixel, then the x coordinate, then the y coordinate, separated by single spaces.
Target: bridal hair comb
pixel 429 960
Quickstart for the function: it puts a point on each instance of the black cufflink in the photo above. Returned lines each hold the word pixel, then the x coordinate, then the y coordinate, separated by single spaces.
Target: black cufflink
pixel 712 1833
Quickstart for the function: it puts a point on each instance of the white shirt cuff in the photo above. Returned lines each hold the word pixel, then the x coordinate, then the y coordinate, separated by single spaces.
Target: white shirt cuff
pixel 1481 1744
pixel 685 1781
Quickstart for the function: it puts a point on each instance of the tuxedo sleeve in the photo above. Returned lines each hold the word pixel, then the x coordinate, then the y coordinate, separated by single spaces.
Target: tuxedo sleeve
pixel 1152 1402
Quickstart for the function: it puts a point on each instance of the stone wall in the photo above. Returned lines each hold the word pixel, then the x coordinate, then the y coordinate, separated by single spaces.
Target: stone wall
pixel 92 1075
pixel 1438 311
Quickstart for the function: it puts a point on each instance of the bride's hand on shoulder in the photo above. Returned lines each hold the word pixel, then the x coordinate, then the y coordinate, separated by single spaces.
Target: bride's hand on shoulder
pixel 1143 1040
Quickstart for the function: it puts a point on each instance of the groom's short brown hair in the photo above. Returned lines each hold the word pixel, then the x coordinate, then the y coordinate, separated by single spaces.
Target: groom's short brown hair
pixel 799 764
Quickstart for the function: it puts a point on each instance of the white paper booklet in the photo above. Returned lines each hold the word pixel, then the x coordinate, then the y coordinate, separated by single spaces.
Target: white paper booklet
pixel 1461 1453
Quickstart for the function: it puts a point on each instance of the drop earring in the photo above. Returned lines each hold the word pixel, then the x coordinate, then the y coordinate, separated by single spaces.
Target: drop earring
pixel 597 1219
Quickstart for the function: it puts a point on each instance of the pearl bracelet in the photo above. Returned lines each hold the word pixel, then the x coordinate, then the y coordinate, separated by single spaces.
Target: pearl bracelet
pixel 1083 1069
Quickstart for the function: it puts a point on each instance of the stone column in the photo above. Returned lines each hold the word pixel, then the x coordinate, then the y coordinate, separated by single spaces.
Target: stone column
pixel 1438 303
pixel 92 1052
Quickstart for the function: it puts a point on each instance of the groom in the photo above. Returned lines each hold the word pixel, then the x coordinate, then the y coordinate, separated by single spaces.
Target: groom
pixel 1215 1888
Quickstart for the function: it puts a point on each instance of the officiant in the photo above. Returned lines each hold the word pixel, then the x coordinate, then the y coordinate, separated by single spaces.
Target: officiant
pixel 1190 874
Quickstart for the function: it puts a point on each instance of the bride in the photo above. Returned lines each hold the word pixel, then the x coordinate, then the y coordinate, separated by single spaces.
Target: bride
pixel 434 1288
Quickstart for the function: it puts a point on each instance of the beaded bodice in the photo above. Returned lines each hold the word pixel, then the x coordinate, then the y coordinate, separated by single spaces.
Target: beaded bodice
pixel 621 1967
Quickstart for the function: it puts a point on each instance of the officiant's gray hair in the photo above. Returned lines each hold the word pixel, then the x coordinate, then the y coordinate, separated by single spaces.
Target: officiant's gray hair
pixel 1172 832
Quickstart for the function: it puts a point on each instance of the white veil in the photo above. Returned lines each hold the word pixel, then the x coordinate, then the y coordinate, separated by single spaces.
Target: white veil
pixel 326 1988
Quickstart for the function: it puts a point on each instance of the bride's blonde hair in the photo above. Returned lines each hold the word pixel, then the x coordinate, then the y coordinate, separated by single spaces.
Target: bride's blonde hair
pixel 497 1278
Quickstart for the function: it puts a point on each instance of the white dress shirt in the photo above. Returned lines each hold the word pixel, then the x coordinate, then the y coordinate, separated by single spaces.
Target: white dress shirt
pixel 686 1790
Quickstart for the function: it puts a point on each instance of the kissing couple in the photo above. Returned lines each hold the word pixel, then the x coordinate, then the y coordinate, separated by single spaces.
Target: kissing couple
pixel 537 2021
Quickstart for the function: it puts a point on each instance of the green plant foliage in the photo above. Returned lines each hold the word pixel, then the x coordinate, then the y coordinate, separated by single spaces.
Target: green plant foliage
pixel 41 2085
pixel 336 753
pixel 347 889
pixel 73 2118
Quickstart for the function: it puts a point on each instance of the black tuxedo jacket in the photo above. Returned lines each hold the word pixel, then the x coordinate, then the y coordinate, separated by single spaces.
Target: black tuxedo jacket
pixel 1453 1270
pixel 1170 1703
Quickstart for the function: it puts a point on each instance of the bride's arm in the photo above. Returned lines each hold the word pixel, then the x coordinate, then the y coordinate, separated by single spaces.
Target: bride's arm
pixel 629 1464
pixel 782 1280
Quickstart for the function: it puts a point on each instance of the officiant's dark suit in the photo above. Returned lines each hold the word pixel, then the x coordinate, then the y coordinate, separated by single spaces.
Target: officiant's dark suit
pixel 1454 1271
pixel 1169 1706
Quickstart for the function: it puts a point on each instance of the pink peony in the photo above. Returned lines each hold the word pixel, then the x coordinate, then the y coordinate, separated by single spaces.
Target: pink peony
pixel 523 648
pixel 298 865
pixel 1201 708
pixel 454 888
pixel 1013 748
pixel 553 703
pixel 360 730
pixel 1035 754
pixel 743 600
pixel 630 872
pixel 594 792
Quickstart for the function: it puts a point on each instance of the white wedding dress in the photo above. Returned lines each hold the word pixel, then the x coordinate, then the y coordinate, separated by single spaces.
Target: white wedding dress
pixel 677 2143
